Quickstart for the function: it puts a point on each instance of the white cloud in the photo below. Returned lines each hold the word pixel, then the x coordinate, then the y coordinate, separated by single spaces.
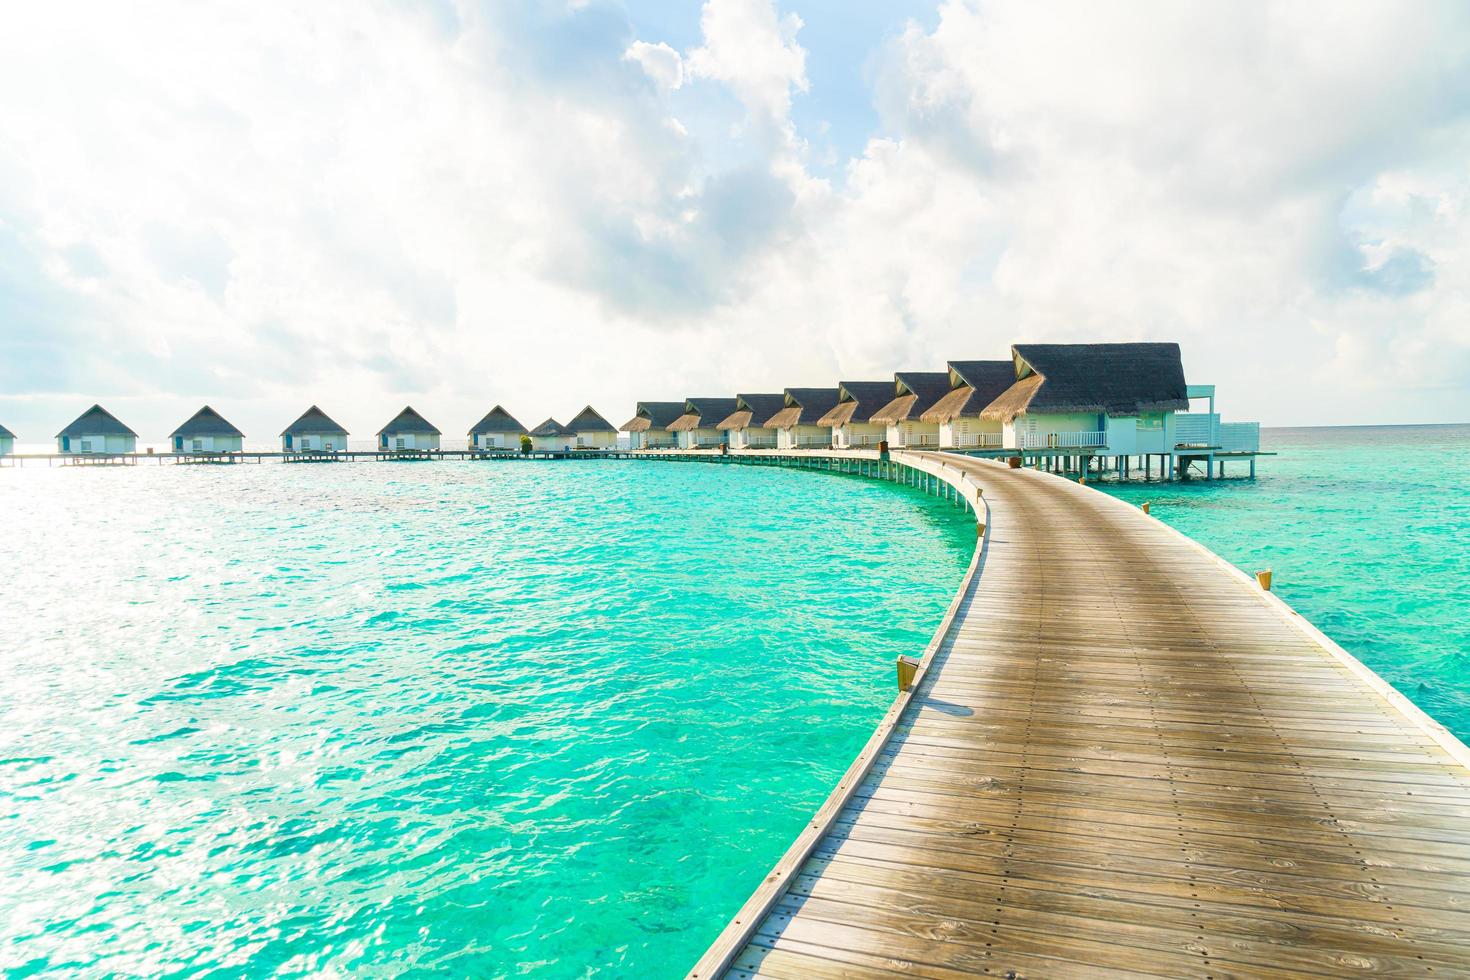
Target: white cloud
pixel 753 49
pixel 662 63
pixel 360 203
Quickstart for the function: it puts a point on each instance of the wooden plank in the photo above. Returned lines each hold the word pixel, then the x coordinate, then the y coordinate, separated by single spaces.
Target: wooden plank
pixel 1123 758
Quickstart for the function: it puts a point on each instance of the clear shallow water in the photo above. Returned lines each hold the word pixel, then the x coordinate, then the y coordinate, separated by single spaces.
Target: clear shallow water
pixel 1367 533
pixel 387 717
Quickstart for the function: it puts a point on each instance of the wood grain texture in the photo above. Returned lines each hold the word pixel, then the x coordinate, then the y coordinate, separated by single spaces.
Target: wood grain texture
pixel 1123 759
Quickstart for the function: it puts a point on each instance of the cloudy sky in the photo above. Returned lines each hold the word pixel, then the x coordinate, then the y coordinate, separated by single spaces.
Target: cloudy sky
pixel 551 202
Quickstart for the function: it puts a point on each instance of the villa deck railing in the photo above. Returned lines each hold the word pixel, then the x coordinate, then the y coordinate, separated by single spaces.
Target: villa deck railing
pixel 1240 437
pixel 1063 440
pixel 1196 429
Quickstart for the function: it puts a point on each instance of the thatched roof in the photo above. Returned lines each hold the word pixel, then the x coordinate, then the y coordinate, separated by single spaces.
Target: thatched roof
pixel 6 433
pixel 205 422
pixel 857 399
pixel 1118 379
pixel 409 421
pixel 96 421
pixel 551 428
pixel 589 420
pixel 753 410
pixel 702 413
pixel 497 420
pixel 314 420
pixel 973 385
pixel 804 406
pixel 653 415
pixel 916 392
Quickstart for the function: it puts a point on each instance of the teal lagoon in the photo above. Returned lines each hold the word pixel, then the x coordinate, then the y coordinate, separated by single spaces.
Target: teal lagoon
pixel 548 720
pixel 1367 532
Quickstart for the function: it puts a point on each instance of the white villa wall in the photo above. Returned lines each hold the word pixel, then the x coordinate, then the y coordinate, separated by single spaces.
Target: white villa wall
pixel 968 433
pixel 552 443
pixel 652 439
pixel 206 444
pixel 912 434
pixel 497 440
pixel 1042 426
pixel 1155 433
pixel 7 445
pixel 1122 435
pixel 408 440
pixel 754 437
pixel 856 434
pixel 98 444
pixel 596 440
pixel 318 442
pixel 804 437
pixel 702 438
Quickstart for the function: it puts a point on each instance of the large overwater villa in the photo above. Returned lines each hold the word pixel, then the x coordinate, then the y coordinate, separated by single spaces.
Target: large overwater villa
pixel 96 431
pixel 799 424
pixel 698 426
pixel 408 432
pixel 497 430
pixel 857 401
pixel 972 386
pixel 649 426
pixel 314 432
pixel 747 426
pixel 914 393
pixel 206 431
pixel 591 431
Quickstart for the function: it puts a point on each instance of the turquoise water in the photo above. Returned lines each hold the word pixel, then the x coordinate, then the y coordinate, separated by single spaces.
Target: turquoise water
pixel 463 717
pixel 1367 533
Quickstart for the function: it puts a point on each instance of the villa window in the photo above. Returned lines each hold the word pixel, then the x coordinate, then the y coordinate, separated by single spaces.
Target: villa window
pixel 86 445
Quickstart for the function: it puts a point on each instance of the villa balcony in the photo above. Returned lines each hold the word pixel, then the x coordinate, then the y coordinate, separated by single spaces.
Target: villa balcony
pixel 1064 440
pixel 1197 430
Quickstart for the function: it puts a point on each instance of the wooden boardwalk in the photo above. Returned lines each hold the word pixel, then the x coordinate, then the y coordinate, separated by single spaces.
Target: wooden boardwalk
pixel 1127 760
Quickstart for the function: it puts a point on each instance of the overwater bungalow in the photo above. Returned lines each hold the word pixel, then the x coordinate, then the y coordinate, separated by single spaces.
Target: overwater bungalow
pixel 96 431
pixel 799 424
pixel 206 431
pixel 407 432
pixel 591 431
pixel 1118 398
pixel 314 432
pixel 856 401
pixel 915 392
pixel 552 436
pixel 649 426
pixel 697 427
pixel 972 386
pixel 7 441
pixel 747 426
pixel 497 430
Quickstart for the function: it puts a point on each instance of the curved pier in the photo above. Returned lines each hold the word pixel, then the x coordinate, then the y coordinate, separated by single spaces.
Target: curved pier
pixel 1121 758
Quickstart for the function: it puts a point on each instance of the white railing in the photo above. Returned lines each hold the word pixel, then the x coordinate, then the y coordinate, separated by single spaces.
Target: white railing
pixel 979 440
pixel 1196 429
pixel 1063 440
pixel 1240 437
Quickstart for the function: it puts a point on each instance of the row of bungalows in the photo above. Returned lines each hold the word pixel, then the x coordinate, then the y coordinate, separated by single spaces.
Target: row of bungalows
pixel 98 432
pixel 1119 399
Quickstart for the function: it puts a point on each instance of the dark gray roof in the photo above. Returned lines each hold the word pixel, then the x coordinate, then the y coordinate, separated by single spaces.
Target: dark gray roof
pixel 1119 379
pixel 653 415
pixel 987 378
pixel 409 421
pixel 814 402
pixel 313 420
pixel 858 399
pixel 497 420
pixel 762 406
pixel 551 427
pixel 206 422
pixel 6 433
pixel 96 421
pixel 588 420
pixel 929 386
pixel 709 410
